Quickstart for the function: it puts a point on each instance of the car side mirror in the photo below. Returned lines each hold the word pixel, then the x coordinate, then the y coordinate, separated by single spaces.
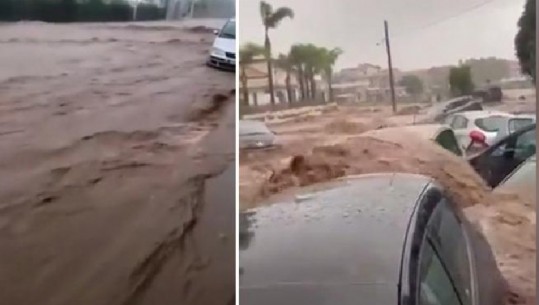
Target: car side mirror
pixel 215 32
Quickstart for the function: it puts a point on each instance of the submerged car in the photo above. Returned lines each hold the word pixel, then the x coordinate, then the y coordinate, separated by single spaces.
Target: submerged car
pixel 223 51
pixel 440 111
pixel 490 94
pixel 500 159
pixel 370 239
pixel 255 135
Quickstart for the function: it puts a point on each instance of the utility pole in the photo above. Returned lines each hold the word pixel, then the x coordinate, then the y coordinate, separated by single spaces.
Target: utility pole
pixel 390 66
pixel 192 9
pixel 135 7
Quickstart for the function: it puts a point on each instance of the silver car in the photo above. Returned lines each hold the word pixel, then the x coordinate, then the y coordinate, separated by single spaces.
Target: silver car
pixel 255 135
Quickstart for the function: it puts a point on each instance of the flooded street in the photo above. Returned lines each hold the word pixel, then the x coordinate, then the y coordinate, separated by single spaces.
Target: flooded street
pixel 116 165
pixel 316 149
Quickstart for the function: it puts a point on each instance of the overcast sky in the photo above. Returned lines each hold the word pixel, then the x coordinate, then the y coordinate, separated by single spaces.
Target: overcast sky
pixel 423 32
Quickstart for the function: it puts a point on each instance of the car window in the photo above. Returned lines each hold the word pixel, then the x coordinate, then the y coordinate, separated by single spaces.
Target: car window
pixel 435 287
pixel 447 140
pixel 491 124
pixel 520 146
pixel 459 122
pixel 229 30
pixel 519 123
pixel 449 120
pixel 525 145
pixel 446 235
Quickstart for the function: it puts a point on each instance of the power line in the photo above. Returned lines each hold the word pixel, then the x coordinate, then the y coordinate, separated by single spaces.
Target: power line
pixel 436 22
pixel 458 14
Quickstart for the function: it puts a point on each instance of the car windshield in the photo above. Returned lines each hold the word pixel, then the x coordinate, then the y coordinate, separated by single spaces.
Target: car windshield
pixel 492 124
pixel 519 123
pixel 229 30
pixel 253 128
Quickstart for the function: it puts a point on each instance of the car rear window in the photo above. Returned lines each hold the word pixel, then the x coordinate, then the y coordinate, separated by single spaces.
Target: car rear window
pixel 516 124
pixel 491 124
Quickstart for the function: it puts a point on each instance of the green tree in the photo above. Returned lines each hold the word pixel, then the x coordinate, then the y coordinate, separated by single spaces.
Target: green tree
pixel 271 19
pixel 412 84
pixel 460 80
pixel 525 39
pixel 247 54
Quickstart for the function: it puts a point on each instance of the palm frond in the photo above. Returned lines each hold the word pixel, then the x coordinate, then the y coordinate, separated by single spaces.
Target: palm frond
pixel 276 17
pixel 266 10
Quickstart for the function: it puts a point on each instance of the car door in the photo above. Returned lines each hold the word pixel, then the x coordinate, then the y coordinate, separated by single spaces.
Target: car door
pixel 501 159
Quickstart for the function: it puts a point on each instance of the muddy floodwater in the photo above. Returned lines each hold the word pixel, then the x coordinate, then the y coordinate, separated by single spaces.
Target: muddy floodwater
pixel 355 140
pixel 116 165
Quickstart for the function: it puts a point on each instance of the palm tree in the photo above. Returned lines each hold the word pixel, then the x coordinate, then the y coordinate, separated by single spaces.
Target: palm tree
pixel 247 54
pixel 329 57
pixel 314 66
pixel 310 58
pixel 295 55
pixel 284 62
pixel 271 19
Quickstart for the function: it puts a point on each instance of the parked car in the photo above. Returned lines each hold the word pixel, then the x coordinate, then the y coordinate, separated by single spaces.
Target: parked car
pixel 255 135
pixel 223 51
pixel 370 239
pixel 441 134
pixel 438 112
pixel 496 162
pixel 523 181
pixel 476 130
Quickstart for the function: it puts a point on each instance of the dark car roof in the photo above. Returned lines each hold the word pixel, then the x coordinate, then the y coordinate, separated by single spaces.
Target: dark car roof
pixel 342 237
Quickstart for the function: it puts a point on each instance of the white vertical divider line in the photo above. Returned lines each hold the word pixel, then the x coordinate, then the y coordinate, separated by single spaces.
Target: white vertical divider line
pixel 237 159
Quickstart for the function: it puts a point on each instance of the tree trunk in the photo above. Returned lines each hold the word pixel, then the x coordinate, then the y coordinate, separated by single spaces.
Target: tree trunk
pixel 300 77
pixel 267 45
pixel 330 89
pixel 313 86
pixel 245 90
pixel 288 87
pixel 307 84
